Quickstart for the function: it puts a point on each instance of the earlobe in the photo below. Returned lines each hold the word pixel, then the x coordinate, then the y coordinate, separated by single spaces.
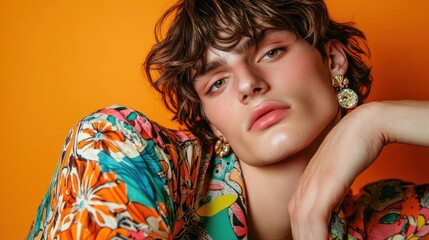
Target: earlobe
pixel 337 58
pixel 222 146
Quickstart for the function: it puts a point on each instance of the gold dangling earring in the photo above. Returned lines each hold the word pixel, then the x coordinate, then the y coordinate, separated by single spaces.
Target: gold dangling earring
pixel 346 97
pixel 221 147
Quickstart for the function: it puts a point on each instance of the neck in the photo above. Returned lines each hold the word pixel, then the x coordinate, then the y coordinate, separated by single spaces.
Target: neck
pixel 269 190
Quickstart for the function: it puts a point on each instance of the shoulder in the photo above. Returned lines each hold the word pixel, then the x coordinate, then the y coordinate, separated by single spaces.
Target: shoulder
pixel 122 129
pixel 117 167
pixel 118 138
pixel 127 119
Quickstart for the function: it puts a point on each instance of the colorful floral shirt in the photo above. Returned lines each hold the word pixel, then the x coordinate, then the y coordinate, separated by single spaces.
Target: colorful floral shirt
pixel 121 176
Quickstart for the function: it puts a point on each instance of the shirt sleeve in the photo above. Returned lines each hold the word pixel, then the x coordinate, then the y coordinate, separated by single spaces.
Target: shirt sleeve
pixel 119 175
pixel 387 209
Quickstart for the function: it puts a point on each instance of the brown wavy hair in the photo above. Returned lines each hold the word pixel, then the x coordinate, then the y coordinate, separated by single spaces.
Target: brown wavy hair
pixel 195 25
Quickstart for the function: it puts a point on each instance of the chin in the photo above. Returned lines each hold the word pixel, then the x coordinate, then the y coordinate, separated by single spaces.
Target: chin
pixel 278 145
pixel 284 147
pixel 269 155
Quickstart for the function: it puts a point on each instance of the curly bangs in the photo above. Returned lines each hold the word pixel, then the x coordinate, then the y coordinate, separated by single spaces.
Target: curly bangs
pixel 195 25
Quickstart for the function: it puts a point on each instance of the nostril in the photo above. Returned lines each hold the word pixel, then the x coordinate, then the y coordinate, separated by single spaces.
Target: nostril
pixel 257 90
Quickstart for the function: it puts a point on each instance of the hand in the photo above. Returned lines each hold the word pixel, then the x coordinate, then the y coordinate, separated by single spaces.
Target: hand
pixel 350 147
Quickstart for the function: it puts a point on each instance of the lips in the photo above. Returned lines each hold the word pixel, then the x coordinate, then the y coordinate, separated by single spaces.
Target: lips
pixel 266 115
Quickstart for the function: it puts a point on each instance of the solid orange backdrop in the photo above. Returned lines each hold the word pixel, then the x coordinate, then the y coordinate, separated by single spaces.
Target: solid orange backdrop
pixel 60 60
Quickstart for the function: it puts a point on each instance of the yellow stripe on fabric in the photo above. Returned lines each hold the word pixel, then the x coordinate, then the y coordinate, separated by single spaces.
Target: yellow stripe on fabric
pixel 216 205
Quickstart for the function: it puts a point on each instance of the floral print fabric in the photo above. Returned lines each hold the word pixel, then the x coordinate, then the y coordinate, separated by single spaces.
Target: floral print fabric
pixel 121 176
pixel 389 209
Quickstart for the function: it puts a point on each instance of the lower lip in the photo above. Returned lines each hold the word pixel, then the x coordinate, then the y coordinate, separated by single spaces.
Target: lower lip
pixel 269 119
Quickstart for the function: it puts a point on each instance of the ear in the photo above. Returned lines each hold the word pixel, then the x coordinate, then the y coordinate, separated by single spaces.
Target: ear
pixel 337 58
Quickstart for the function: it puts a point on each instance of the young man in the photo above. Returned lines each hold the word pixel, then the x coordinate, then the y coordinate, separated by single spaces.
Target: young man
pixel 256 77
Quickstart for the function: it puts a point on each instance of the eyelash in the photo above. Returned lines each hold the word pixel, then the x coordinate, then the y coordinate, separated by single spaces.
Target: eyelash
pixel 277 52
pixel 211 90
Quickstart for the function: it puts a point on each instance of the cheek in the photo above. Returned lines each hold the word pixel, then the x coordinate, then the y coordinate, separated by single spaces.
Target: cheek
pixel 211 113
pixel 322 104
pixel 227 118
pixel 317 89
pixel 219 115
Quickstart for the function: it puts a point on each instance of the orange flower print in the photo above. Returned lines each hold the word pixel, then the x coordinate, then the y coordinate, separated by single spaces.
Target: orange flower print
pixel 100 136
pixel 96 199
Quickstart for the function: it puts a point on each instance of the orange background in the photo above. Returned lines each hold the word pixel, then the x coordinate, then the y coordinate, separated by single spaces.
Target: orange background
pixel 61 60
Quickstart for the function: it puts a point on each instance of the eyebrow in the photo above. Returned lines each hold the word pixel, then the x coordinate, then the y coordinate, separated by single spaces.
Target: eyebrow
pixel 241 47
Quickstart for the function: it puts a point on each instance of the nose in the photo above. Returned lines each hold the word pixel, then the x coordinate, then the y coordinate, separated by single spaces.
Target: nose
pixel 250 82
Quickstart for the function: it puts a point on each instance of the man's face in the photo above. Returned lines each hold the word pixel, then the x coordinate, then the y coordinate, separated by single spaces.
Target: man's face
pixel 269 99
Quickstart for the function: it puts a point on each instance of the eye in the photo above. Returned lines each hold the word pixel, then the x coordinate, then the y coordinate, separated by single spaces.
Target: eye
pixel 218 84
pixel 272 54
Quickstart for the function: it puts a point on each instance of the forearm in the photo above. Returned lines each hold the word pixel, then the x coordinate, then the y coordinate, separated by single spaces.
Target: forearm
pixel 400 121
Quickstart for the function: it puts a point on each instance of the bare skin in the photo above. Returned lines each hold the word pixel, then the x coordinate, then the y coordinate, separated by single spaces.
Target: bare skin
pixel 351 147
pixel 303 165
pixel 263 186
pixel 279 72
